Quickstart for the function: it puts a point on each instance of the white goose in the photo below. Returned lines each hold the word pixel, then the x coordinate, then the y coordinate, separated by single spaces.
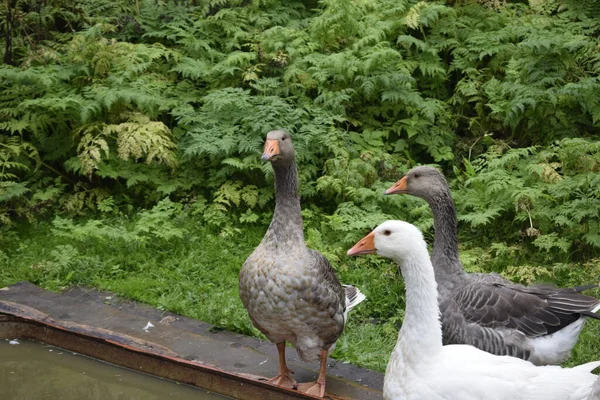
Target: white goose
pixel 422 368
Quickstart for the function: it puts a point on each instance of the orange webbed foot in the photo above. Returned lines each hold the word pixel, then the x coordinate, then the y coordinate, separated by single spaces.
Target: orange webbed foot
pixel 313 388
pixel 284 380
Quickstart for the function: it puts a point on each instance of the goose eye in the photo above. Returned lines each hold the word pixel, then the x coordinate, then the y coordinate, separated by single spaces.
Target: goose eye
pixel 283 138
pixel 417 175
pixel 387 233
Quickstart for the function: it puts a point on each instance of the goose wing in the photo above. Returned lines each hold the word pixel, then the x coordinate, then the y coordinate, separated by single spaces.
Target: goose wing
pixel 458 329
pixel 535 310
pixel 327 290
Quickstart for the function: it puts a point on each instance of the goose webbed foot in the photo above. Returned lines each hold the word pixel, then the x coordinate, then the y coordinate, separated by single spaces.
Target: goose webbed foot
pixel 313 388
pixel 284 377
pixel 317 388
pixel 284 380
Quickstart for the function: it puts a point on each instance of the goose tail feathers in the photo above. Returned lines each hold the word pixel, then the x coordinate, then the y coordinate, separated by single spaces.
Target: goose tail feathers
pixel 580 289
pixel 353 296
pixel 588 367
pixel 593 313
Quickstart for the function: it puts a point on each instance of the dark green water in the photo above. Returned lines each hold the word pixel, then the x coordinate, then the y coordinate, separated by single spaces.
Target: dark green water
pixel 32 371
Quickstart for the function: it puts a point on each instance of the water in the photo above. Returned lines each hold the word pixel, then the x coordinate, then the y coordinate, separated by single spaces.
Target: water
pixel 32 371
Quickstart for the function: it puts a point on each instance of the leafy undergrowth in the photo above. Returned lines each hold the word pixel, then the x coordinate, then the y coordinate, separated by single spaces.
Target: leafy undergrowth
pixel 183 266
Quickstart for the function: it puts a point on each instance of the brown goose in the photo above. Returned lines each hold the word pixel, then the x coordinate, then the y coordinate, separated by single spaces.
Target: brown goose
pixel 537 323
pixel 290 291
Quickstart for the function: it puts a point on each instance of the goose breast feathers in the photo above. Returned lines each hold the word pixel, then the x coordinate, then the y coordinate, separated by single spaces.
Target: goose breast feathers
pixel 295 297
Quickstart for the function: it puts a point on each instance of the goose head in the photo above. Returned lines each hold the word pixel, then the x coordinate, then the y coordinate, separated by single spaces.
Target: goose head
pixel 278 148
pixel 424 182
pixel 393 239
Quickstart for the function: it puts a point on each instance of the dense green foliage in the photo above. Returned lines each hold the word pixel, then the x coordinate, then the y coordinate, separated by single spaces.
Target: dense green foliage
pixel 131 134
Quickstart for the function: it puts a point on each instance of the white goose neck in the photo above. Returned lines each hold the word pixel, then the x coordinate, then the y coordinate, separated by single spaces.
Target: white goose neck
pixel 421 334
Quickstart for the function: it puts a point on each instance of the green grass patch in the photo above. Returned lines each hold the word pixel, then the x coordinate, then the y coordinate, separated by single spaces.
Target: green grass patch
pixel 193 271
pixel 193 274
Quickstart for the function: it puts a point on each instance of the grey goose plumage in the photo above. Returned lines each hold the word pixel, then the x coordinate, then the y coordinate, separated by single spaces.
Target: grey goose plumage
pixel 291 292
pixel 537 323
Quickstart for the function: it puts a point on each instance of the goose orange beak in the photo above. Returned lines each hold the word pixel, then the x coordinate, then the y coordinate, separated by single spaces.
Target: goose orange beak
pixel 398 187
pixel 365 245
pixel 271 149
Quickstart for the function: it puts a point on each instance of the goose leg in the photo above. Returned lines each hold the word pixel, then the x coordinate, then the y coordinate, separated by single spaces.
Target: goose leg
pixel 317 388
pixel 284 378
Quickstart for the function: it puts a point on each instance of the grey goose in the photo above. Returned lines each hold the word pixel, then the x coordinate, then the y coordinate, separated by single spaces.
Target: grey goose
pixel 536 323
pixel 291 292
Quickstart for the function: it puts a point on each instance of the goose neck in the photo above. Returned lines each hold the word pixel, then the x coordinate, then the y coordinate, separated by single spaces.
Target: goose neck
pixel 420 337
pixel 421 332
pixel 287 219
pixel 445 244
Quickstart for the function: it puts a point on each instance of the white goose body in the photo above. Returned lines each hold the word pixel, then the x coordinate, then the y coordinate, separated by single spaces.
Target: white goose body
pixel 596 390
pixel 461 373
pixel 420 367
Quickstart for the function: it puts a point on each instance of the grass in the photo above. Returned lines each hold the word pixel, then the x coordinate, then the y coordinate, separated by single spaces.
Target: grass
pixel 187 268
pixel 195 275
